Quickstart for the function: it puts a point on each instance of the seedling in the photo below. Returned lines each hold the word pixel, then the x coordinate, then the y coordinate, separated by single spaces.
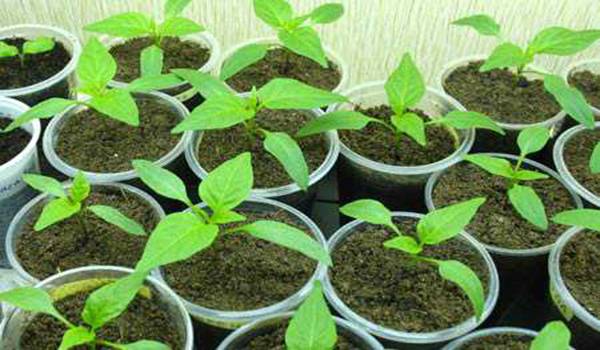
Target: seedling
pixel 555 335
pixel 179 236
pixel 434 228
pixel 72 202
pixel 102 306
pixel 296 33
pixel 550 41
pixel 30 47
pixel 523 198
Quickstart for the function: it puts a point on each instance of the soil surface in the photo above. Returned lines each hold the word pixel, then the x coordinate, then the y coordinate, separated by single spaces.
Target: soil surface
pixel 65 245
pixel 283 63
pixel 11 143
pixel 589 84
pixel 497 223
pixel 500 342
pixel 501 94
pixel 379 144
pixel 391 289
pixel 580 270
pixel 240 272
pixel 577 155
pixel 143 319
pixel 218 146
pixel 34 69
pixel 93 142
pixel 177 54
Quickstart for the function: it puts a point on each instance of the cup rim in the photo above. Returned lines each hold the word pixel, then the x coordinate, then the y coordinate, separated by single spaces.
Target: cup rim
pixel 36 130
pixel 460 342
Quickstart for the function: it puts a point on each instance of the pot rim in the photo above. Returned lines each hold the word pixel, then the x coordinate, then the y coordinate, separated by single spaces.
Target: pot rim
pixel 460 342
pixel 16 108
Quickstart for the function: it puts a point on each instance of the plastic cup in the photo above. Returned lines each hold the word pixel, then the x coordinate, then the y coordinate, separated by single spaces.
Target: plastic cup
pixel 398 338
pixel 467 339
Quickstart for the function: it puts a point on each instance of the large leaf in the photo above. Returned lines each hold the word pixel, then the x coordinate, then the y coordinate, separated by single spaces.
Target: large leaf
pixel 467 280
pixel 117 104
pixel 283 147
pixel 45 184
pixel 595 160
pixel 282 93
pixel 124 25
pixel 179 26
pixel 445 223
pixel 562 41
pixel 493 165
pixel 304 41
pixel 586 218
pixel 55 211
pixel 327 13
pixel 43 110
pixel 483 24
pixel 217 112
pixel 96 67
pixel 411 125
pixel 115 217
pixel 161 181
pixel 175 7
pixel 533 139
pixel 38 45
pixel 570 100
pixel 370 211
pixel 468 120
pixel 32 300
pixel 151 61
pixel 529 205
pixel 405 87
pixel 273 12
pixel 554 336
pixel 76 336
pixel 243 58
pixel 505 55
pixel 406 244
pixel 207 85
pixel 338 120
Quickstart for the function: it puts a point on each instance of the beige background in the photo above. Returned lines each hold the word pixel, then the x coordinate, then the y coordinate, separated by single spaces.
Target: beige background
pixel 371 36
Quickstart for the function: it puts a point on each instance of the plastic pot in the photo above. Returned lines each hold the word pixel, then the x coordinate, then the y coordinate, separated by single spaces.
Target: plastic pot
pixel 399 187
pixel 14 324
pixel 14 193
pixel 401 339
pixel 242 336
pixel 24 216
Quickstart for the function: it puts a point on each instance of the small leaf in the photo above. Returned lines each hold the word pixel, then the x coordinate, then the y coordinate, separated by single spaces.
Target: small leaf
pixel 151 61
pixel 45 184
pixel 289 154
pixel 570 100
pixel 225 217
pixel 80 189
pixel 96 66
pixel 412 125
pixel 586 218
pixel 494 166
pixel 179 26
pixel 304 41
pixel 460 274
pixel 243 58
pixel 273 12
pixel 406 244
pixel 405 87
pixel 207 85
pixel 124 25
pixel 327 13
pixel 38 45
pixel 76 336
pixel 153 83
pixel 145 345
pixel 554 336
pixel 483 24
pixel 595 160
pixel 161 181
pixel 370 211
pixel 115 217
pixel 229 184
pixel 338 120
pixel 281 93
pixel 468 120
pixel 217 112
pixel 505 55
pixel 32 300
pixel 533 139
pixel 562 41
pixel 117 104
pixel 527 203
pixel 445 223
pixel 43 110
pixel 529 175
pixel 8 50
pixel 175 7
pixel 55 211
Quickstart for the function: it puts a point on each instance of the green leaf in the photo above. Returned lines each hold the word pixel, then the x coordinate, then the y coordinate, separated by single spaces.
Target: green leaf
pixel 468 120
pixel 96 66
pixel 529 175
pixel 124 25
pixel 76 336
pixel 80 189
pixel 225 217
pixel 55 211
pixel 405 87
pixel 229 184
pixel 527 203
pixel 43 110
pixel 179 26
pixel 406 244
pixel 460 274
pixel 38 45
pixel 483 24
pixel 119 105
pixel 327 13
pixel 445 223
pixel 177 237
pixel 494 166
pixel 412 125
pixel 312 327
pixel 304 41
pixel 337 120
pixel 570 100
pixel 32 300
pixel 217 112
pixel 281 93
pixel 115 217
pixel 161 181
pixel 273 12
pixel 45 184
pixel 175 7
pixel 289 237
pixel 8 50
pixel 586 218
pixel 505 55
pixel 145 345
pixel 153 83
pixel 151 61
pixel 289 154
pixel 243 58
pixel 554 336
pixel 207 85
pixel 533 139
pixel 370 211
pixel 595 160
pixel 562 41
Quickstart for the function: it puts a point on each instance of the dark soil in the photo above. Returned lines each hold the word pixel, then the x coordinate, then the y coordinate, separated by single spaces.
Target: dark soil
pixel 589 84
pixel 499 342
pixel 378 143
pixel 218 146
pixel 283 63
pixel 143 319
pixel 177 54
pixel 65 245
pixel 580 269
pixel 577 155
pixel 391 289
pixel 501 95
pixel 93 142
pixel 497 223
pixel 240 272
pixel 13 142
pixel 35 68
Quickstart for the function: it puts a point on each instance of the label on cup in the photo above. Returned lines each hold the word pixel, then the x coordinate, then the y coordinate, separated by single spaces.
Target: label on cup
pixel 560 304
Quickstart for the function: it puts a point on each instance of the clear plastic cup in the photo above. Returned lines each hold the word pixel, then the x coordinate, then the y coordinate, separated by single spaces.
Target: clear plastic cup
pixel 24 216
pixel 14 324
pixel 14 193
pixel 58 85
pixel 467 339
pixel 242 336
pixel 563 170
pixel 171 160
pixel 397 337
pixel 592 65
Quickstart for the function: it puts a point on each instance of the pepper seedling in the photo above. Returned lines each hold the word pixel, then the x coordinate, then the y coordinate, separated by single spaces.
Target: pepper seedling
pixel 432 229
pixel 555 335
pixel 73 201
pixel 524 198
pixel 30 47
pixel 101 307
pixel 179 236
pixel 557 41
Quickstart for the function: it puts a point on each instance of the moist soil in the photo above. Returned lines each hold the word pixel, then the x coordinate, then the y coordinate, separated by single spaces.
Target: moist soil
pixel 13 142
pixel 177 54
pixel 218 146
pixel 379 144
pixel 34 69
pixel 65 245
pixel 143 319
pixel 580 270
pixel 283 63
pixel 501 94
pixel 577 154
pixel 391 289
pixel 93 142
pixel 589 84
pixel 239 272
pixel 497 223
pixel 500 342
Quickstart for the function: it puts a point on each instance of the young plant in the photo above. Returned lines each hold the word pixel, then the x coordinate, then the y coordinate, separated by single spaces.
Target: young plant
pixel 30 47
pixel 523 198
pixel 72 202
pixel 555 336
pixel 101 307
pixel 550 41
pixel 179 236
pixel 434 228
